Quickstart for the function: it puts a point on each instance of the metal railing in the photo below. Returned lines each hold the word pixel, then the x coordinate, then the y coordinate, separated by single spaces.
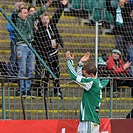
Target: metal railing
pixel 114 105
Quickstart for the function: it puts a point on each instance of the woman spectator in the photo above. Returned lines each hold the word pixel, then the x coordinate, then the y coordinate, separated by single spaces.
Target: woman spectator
pixel 119 69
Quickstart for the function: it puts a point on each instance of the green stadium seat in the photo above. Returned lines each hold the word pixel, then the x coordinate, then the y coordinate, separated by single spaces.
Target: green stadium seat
pixel 97 14
pixel 76 4
pixel 70 1
pixel 108 17
pixel 102 4
pixel 114 3
pixel 89 4
pixel 97 8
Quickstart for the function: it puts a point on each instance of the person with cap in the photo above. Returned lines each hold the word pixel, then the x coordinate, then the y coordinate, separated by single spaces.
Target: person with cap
pixel 116 64
pixel 119 69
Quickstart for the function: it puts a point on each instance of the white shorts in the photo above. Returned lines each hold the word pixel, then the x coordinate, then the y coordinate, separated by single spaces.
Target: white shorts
pixel 88 127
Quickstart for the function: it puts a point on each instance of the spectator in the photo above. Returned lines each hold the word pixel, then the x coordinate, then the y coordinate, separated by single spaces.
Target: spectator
pixel 38 66
pixel 31 10
pixel 12 60
pixel 47 40
pixel 122 24
pixel 91 98
pixel 25 57
pixel 119 68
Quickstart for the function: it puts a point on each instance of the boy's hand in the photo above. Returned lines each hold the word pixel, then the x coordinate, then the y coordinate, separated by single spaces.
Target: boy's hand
pixel 49 3
pixel 85 57
pixel 19 5
pixel 64 2
pixel 68 55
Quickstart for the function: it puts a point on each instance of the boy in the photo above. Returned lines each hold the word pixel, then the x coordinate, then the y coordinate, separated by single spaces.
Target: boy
pixel 92 95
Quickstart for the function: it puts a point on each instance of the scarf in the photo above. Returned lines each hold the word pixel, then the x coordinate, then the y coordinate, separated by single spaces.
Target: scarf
pixel 119 19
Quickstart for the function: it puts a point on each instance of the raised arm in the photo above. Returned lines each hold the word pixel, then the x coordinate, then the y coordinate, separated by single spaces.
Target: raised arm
pixel 73 73
pixel 55 18
pixel 41 10
pixel 111 9
pixel 81 63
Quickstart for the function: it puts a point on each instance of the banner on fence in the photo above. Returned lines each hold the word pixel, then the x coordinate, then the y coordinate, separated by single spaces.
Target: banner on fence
pixel 46 126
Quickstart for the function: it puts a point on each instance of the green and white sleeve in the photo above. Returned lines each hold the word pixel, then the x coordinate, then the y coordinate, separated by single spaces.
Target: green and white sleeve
pixel 86 83
pixel 71 69
pixel 79 68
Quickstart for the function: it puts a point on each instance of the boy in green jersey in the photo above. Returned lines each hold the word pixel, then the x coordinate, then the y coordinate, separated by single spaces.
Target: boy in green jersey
pixel 92 95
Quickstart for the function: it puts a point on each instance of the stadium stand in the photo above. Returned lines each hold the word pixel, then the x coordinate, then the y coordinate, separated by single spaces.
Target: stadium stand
pixel 78 39
pixel 91 11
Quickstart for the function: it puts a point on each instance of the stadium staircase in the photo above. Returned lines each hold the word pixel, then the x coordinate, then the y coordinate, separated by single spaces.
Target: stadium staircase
pixel 78 39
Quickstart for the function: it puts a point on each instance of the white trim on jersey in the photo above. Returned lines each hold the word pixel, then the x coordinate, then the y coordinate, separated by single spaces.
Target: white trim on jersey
pixel 72 68
pixel 78 79
pixel 86 86
pixel 82 111
pixel 89 85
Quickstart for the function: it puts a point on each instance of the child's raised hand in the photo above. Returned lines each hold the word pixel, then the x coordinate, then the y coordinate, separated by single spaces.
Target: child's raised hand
pixel 49 3
pixel 64 2
pixel 85 57
pixel 68 55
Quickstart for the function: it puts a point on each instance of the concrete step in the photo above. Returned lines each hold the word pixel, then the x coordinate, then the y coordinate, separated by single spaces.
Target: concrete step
pixel 75 38
pixel 67 28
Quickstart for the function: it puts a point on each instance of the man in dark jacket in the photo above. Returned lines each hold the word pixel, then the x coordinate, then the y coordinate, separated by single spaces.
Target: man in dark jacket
pixel 122 23
pixel 47 41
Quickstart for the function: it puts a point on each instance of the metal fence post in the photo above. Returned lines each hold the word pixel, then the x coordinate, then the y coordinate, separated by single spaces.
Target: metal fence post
pixel 111 97
pixel 3 100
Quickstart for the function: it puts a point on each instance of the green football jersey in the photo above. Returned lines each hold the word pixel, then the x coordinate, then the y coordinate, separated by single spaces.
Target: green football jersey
pixel 92 94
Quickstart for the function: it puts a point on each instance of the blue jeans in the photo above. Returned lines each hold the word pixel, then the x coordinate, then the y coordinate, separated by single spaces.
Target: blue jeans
pixel 25 61
pixel 12 59
pixel 119 41
pixel 13 52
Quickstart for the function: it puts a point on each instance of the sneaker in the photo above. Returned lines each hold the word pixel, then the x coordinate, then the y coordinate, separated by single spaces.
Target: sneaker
pixel 24 95
pixel 41 93
pixel 59 94
pixel 19 94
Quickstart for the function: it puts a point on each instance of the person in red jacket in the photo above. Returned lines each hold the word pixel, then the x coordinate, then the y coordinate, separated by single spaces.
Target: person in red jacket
pixel 116 64
pixel 119 69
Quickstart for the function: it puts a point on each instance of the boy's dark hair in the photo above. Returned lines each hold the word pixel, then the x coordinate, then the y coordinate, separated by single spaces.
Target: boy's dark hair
pixel 31 7
pixel 89 68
